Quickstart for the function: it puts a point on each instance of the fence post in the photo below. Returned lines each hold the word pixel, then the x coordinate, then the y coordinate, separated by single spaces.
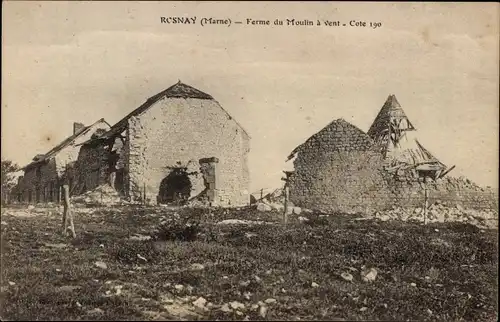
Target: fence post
pixel 425 203
pixel 286 203
pixel 67 213
pixel 144 193
pixel 287 195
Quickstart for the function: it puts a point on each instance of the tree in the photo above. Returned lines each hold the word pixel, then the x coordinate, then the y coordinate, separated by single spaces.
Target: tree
pixel 8 180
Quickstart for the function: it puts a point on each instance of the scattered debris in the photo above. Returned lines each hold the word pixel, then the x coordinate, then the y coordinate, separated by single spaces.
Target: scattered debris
pixel 141 258
pixel 241 222
pixel 235 305
pixel 369 275
pixel 95 311
pixel 69 288
pixel 197 267
pixel 58 246
pixel 264 207
pixel 438 212
pixel 101 264
pixel 314 284
pixel 225 308
pixel 102 195
pixel 263 311
pixel 346 276
pixel 200 303
pixel 139 237
pixel 271 300
pixel 250 235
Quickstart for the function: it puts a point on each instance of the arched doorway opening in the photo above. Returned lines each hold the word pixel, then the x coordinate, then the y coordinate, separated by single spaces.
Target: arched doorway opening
pixel 175 188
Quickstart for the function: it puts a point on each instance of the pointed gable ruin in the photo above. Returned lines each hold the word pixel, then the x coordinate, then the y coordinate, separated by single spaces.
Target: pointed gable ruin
pixel 397 139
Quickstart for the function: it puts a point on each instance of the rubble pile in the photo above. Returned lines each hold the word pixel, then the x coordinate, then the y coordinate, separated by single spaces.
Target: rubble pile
pixel 277 196
pixel 439 212
pixel 457 183
pixel 102 195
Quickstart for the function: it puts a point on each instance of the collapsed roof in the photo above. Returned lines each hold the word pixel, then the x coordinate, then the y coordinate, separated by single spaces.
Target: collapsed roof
pixel 39 158
pixel 390 124
pixel 394 133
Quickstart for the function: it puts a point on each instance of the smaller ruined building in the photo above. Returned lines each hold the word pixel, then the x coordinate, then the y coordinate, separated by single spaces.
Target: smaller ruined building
pixel 44 176
pixel 179 145
pixel 342 168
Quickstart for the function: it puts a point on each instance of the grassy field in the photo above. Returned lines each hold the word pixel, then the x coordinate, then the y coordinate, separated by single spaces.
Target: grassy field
pixel 307 271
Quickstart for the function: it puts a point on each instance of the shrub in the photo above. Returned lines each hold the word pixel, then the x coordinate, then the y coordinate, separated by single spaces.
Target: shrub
pixel 179 231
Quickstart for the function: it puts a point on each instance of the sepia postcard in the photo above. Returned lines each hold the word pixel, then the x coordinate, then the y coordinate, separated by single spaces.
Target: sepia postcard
pixel 237 160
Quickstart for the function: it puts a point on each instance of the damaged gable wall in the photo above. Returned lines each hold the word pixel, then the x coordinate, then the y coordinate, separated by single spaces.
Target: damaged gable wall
pixel 336 170
pixel 186 130
pixel 70 153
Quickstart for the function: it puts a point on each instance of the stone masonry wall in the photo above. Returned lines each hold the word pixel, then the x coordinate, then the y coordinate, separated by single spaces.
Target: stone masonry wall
pixel 187 130
pixel 40 183
pixel 340 170
pixel 45 179
pixel 91 169
pixel 70 153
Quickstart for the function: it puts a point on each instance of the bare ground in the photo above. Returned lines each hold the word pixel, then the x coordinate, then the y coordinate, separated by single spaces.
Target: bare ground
pixel 445 272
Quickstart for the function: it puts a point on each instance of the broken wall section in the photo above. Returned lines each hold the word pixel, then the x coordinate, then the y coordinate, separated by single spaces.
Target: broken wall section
pixel 100 163
pixel 341 169
pixel 90 169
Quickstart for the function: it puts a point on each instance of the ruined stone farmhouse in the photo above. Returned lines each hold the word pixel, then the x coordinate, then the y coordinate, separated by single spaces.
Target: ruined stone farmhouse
pixel 179 145
pixel 342 168
pixel 45 175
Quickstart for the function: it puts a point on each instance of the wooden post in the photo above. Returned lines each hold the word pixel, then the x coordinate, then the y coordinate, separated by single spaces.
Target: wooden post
pixel 144 193
pixel 287 195
pixel 425 203
pixel 261 193
pixel 286 202
pixel 67 215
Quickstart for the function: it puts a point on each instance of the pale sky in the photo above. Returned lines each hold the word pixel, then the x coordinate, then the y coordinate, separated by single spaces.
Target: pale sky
pixel 65 62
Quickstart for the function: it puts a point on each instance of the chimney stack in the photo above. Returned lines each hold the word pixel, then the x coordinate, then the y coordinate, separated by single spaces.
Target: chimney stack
pixel 77 127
